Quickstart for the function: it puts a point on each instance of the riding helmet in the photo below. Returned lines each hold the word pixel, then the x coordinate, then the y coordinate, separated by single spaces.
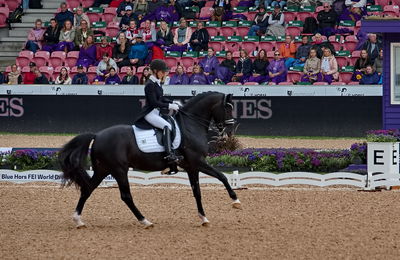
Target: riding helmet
pixel 158 65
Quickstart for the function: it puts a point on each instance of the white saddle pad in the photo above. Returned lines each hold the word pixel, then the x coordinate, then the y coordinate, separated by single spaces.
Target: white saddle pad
pixel 147 141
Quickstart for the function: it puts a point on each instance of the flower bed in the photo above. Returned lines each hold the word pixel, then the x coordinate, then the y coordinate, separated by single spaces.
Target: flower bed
pixel 29 159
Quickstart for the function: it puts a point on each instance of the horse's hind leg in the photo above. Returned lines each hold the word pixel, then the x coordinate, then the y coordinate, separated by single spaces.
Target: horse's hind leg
pixel 121 177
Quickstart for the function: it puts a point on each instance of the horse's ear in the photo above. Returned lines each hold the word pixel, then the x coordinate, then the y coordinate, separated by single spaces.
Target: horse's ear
pixel 228 100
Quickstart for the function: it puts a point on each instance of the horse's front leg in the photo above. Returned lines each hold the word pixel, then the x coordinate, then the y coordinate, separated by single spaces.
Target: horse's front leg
pixel 209 170
pixel 194 182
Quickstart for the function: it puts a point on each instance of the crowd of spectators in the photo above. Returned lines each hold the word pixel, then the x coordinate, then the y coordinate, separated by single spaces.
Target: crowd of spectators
pixel 146 34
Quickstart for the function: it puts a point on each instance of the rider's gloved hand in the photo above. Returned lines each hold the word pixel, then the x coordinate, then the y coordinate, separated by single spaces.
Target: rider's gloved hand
pixel 173 106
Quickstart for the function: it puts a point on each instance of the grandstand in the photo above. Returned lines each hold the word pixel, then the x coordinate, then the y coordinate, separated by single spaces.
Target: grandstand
pixel 226 35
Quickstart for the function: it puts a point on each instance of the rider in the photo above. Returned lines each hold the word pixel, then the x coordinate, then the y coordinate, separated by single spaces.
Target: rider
pixel 157 104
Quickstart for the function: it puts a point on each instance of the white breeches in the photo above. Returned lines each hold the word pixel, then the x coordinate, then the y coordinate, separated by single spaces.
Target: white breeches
pixel 156 120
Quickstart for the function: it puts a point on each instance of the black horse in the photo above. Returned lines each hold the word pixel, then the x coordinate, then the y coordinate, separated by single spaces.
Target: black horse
pixel 114 150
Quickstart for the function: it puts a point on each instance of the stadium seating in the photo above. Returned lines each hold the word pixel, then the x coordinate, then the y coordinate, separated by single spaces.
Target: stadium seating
pixel 24 58
pixel 57 58
pixel 4 12
pixel 41 58
pixel 47 71
pixel 71 59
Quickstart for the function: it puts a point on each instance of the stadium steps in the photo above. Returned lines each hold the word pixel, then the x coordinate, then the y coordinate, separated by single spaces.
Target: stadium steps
pixel 31 18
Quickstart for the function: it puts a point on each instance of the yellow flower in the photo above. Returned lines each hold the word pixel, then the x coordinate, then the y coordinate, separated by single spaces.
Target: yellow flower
pixel 358 77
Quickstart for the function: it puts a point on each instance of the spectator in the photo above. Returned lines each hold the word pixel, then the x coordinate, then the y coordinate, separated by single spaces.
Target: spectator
pixel 372 46
pixel 14 76
pixel 198 77
pixel 276 21
pixel 121 7
pixel 81 34
pixel 63 78
pixel 378 64
pixel 226 4
pixel 138 52
pixel 280 3
pixel 276 69
pixel 329 67
pixel 3 78
pixel 260 23
pixel 130 78
pixel 180 77
pixel 149 34
pixel 104 66
pixel 67 36
pixel 166 12
pixel 112 78
pixel 132 31
pixel 244 67
pixel 40 78
pixel 355 10
pixel 146 75
pixel 327 20
pixel 369 77
pixel 127 17
pixel 29 77
pixel 200 38
pixel 51 36
pixel 153 5
pixel 121 51
pixel 320 45
pixel 80 16
pixel 181 37
pixel 35 37
pixel 64 15
pixel 302 52
pixel 359 67
pixel 140 7
pixel 87 54
pixel 227 68
pixel 260 65
pixel 288 51
pixel 164 35
pixel 80 78
pixel 103 47
pixel 312 68
pixel 209 65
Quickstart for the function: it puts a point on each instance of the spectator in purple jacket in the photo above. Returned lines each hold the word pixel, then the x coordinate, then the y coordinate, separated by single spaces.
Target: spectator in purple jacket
pixel 198 77
pixel 180 77
pixel 276 69
pixel 87 54
pixel 112 78
pixel 209 64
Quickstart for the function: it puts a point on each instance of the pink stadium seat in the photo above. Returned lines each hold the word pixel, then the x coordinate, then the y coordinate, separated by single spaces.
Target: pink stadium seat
pixel 351 42
pixel 382 2
pixel 170 61
pixel 41 58
pixel 227 31
pixel 232 46
pixel 93 17
pixel 345 77
pixel 189 70
pixel 293 76
pixel 109 14
pixel 209 4
pixel 57 58
pixel 336 44
pixel 87 3
pixel 139 71
pixel 74 71
pixel 242 31
pixel 12 4
pixel 270 55
pixel 213 31
pixel 290 16
pixel 71 59
pixel 396 2
pixel 123 71
pixel 8 69
pixel 338 83
pixel 205 12
pixel 47 71
pixel 217 46
pixel 250 83
pixel 320 83
pixel 286 83
pixel 391 10
pixel 353 83
pixel 249 46
pixel 235 55
pixel 301 16
pixel 91 73
pixel 112 29
pixel 187 61
pixel 73 3
pixel 251 15
pixel 354 56
pixel 24 57
pixel 293 30
pixel 4 12
pixel 25 69
pixel 319 9
pixel 267 46
pixel 234 84
pixel 342 61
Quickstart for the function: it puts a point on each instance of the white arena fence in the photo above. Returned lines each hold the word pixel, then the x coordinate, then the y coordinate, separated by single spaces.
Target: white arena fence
pixel 367 182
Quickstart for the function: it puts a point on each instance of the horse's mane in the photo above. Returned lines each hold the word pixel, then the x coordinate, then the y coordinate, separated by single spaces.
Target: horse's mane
pixel 194 100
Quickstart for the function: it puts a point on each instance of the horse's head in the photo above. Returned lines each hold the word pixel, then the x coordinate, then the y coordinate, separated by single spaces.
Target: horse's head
pixel 222 115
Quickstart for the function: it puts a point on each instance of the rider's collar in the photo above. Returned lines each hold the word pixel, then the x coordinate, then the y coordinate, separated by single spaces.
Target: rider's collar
pixel 155 80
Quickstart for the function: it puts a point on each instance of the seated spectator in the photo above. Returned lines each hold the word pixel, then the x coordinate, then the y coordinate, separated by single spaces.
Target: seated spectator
pixel 130 78
pixel 103 47
pixel 209 65
pixel 132 31
pixel 80 16
pixel 320 45
pixel 166 12
pixel 288 51
pixel 67 36
pixel 180 77
pixel 14 76
pixel 181 37
pixel 378 64
pixel 40 78
pixel 63 78
pixel 200 38
pixel 260 65
pixel 276 21
pixel 80 78
pixel 149 34
pixel 64 15
pixel 355 10
pixel 359 67
pixel 302 52
pixel 164 35
pixel 121 7
pixel 81 34
pixel 226 4
pixel 280 3
pixel 227 68
pixel 51 36
pixel 154 5
pixel 198 77
pixel 138 52
pixel 277 71
pixel 29 77
pixel 112 78
pixel 329 67
pixel 3 78
pixel 140 7
pixel 146 76
pixel 35 37
pixel 244 67
pixel 372 46
pixel 312 68
pixel 87 54
pixel 327 20
pixel 260 23
pixel 121 51
pixel 127 17
pixel 369 77
pixel 104 66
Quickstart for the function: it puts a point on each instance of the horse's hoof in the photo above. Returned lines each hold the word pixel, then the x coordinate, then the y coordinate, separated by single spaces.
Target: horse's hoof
pixel 147 224
pixel 82 226
pixel 236 204
pixel 151 225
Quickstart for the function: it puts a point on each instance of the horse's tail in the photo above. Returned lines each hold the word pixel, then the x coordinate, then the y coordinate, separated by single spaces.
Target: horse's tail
pixel 73 158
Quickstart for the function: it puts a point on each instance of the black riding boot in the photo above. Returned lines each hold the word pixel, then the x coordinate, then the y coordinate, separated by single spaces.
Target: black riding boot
pixel 171 157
